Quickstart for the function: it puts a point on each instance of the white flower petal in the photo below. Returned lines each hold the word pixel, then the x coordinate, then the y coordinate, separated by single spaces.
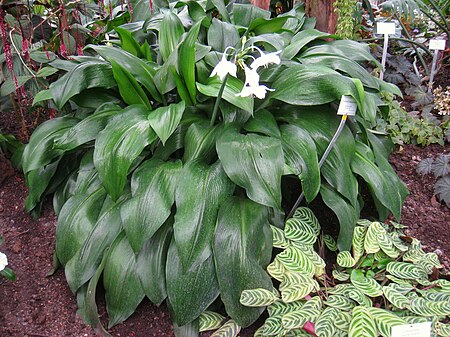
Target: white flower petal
pixel 223 68
pixel 265 59
pixel 251 77
pixel 246 91
pixel 257 90
pixel 3 261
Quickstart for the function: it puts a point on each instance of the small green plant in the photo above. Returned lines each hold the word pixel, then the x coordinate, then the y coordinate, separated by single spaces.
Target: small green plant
pixel 5 271
pixel 440 167
pixel 345 10
pixel 386 280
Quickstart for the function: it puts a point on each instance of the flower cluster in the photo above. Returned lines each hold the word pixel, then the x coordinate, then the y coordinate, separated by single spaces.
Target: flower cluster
pixel 251 86
pixel 442 100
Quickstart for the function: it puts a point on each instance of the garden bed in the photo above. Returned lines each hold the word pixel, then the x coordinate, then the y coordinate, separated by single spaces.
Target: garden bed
pixel 41 305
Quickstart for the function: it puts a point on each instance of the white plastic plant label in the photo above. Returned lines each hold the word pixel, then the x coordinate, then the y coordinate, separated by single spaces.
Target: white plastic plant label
pixel 412 330
pixel 386 28
pixel 347 106
pixel 437 44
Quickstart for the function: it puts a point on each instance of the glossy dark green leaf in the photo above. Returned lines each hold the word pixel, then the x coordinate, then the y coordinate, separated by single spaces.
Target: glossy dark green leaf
pixel 129 88
pixel 243 241
pixel 232 88
pixel 90 74
pixel 346 213
pixel 200 141
pixel 264 123
pixel 253 162
pixel 128 42
pixel 37 181
pixel 75 222
pixel 95 97
pixel 222 35
pixel 188 330
pixel 199 193
pixel 190 291
pixel 300 40
pixel 220 5
pixel 170 32
pixel 153 194
pixel 142 71
pixel 9 86
pixel 151 263
pixel 244 14
pixel 165 120
pixel 83 265
pixel 39 151
pixel 300 154
pixel 267 26
pixel 164 79
pixel 123 291
pixel 186 60
pixel 119 144
pixel 87 129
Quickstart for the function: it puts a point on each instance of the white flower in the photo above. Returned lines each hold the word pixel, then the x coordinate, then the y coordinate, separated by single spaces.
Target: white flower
pixel 265 59
pixel 257 90
pixel 251 77
pixel 3 261
pixel 223 68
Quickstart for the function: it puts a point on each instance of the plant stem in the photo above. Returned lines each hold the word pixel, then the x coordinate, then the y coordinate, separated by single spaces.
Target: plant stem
pixel 218 99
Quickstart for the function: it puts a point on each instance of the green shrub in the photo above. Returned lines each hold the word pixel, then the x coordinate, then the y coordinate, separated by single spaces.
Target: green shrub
pixel 166 178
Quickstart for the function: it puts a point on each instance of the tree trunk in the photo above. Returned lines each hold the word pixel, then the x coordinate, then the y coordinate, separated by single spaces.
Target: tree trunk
pixel 323 11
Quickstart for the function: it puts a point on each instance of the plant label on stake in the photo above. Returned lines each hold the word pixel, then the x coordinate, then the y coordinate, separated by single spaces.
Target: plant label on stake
pixel 435 45
pixel 412 330
pixel 347 106
pixel 385 28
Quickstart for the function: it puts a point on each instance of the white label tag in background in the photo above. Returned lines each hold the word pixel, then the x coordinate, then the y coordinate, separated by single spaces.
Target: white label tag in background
pixel 437 44
pixel 347 106
pixel 386 28
pixel 412 330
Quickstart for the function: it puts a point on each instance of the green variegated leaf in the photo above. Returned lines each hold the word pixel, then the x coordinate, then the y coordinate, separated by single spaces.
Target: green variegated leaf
pixel 362 324
pixel 296 260
pixel 440 308
pixel 351 292
pixel 296 333
pixel 399 280
pixel 343 320
pixel 273 326
pixel 229 329
pixel 431 295
pixel 314 304
pixel 359 235
pixel 443 330
pixel 340 275
pixel 339 302
pixel 294 319
pixel 423 307
pixel 371 239
pixel 444 285
pixel 296 286
pixel 297 230
pixel 367 285
pixel 307 216
pixel 281 308
pixel 277 270
pixel 401 288
pixel 257 297
pixel 387 245
pixel 395 297
pixel 325 326
pixel 385 320
pixel 345 259
pixel 398 243
pixel 318 262
pixel 279 240
pixel 406 270
pixel 415 252
pixel 330 242
pixel 210 320
pixel 429 261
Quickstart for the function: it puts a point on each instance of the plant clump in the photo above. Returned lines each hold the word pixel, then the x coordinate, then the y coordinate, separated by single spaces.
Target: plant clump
pixel 440 167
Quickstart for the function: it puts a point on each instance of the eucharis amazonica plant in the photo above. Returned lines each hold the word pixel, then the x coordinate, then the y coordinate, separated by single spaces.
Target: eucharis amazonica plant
pixel 166 170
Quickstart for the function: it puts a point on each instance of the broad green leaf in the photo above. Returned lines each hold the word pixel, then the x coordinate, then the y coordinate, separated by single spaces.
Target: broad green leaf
pixel 362 324
pixel 129 88
pixel 345 212
pixel 87 129
pixel 300 154
pixel 359 235
pixel 39 152
pixel 273 326
pixel 259 297
pixel 75 222
pixel 37 181
pixel 263 122
pixel 282 308
pixel 245 14
pixel 143 72
pixel 405 270
pixel 123 291
pixel 371 239
pixel 9 86
pixel 199 194
pixel 423 307
pixel 222 35
pixel 121 142
pixel 210 320
pixel 294 259
pixel 151 263
pixel 319 85
pixel 325 326
pixel 366 285
pixel 345 259
pixel 200 142
pixel 220 5
pixel 186 60
pixel 253 162
pixel 242 248
pixel 190 291
pixel 262 26
pixel 296 286
pixel 294 319
pixel 385 320
pixel 339 302
pixel 170 32
pixel 89 74
pixel 128 42
pixel 229 329
pixel 83 265
pixel 165 120
pixel 42 95
pixel 230 94
pixel 300 40
pixel 277 270
pixel 153 194
pixel 395 297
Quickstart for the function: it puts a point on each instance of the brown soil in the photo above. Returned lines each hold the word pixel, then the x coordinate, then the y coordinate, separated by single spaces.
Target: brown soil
pixel 40 305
